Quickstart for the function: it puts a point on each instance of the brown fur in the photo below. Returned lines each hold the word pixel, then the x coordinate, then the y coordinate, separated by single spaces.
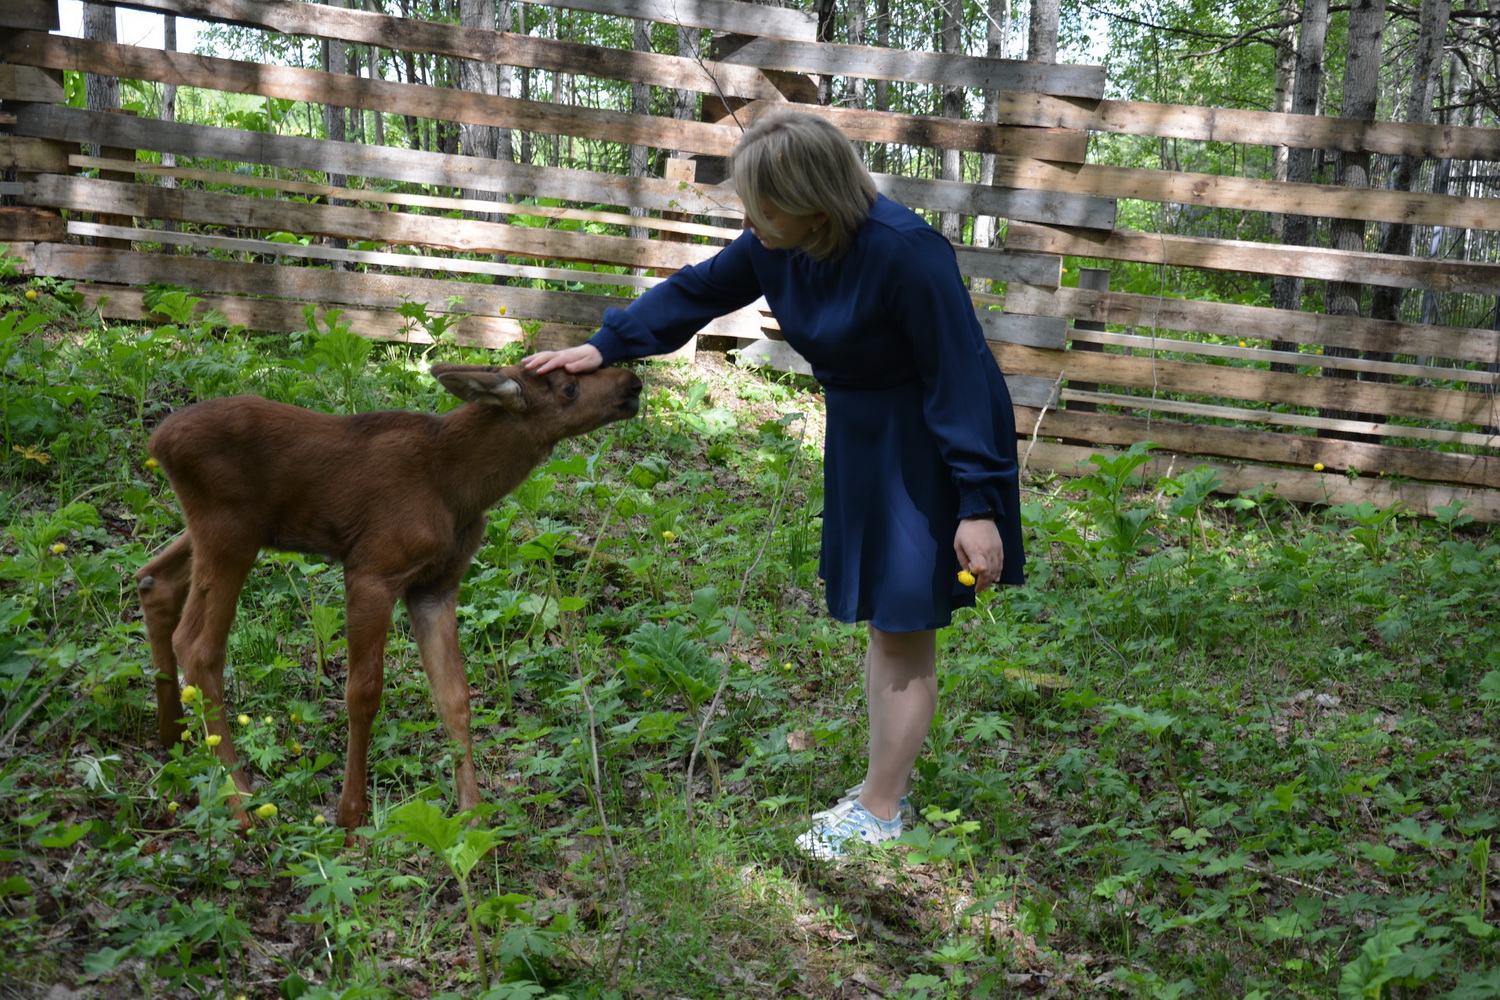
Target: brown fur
pixel 398 497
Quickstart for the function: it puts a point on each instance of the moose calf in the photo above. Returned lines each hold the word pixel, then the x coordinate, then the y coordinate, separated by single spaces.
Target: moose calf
pixel 399 498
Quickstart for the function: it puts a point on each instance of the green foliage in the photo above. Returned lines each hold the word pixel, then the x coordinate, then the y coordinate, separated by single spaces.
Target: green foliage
pixel 1213 747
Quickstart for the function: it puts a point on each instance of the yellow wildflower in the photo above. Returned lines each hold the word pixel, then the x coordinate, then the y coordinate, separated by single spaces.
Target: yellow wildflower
pixel 966 578
pixel 59 549
pixel 32 454
pixel 669 536
pixel 1317 466
pixel 244 719
pixel 152 463
pixel 213 739
pixel 266 811
pixel 189 694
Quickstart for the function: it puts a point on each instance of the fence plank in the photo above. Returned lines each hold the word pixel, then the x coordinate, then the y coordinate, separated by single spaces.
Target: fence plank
pixel 27 83
pixel 1260 258
pixel 1250 194
pixel 1296 485
pixel 292 17
pixel 1149 344
pixel 1246 383
pixel 741 18
pixel 270 215
pixel 31 156
pixel 1055 208
pixel 315 86
pixel 374 291
pixel 877 63
pixel 29 15
pixel 1276 418
pixel 356 160
pixel 1256 128
pixel 1270 447
pixel 1255 322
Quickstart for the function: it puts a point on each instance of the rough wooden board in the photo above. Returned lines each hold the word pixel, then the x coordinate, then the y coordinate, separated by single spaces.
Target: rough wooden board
pixel 1252 322
pixel 1054 208
pixel 773 22
pixel 1249 194
pixel 881 63
pixel 21 224
pixel 29 15
pixel 915 130
pixel 1256 128
pixel 355 160
pixel 270 215
pixel 30 156
pixel 27 83
pixel 1299 486
pixel 1005 265
pixel 1245 444
pixel 1260 258
pixel 292 17
pixel 22 251
pixel 314 86
pixel 1158 404
pixel 1220 381
pixel 1138 342
pixel 1016 328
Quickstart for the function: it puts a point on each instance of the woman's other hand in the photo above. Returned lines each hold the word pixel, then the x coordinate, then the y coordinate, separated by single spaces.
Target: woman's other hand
pixel 576 360
pixel 980 551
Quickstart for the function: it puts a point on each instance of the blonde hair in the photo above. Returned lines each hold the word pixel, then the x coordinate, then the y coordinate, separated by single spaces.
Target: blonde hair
pixel 805 166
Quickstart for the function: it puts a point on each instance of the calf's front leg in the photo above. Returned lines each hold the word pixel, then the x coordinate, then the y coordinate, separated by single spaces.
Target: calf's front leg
pixel 434 621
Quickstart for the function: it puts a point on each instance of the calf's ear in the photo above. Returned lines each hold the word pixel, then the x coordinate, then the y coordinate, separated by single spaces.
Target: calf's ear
pixel 481 385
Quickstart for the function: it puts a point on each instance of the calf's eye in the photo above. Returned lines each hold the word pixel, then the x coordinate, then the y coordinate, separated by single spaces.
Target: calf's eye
pixel 570 391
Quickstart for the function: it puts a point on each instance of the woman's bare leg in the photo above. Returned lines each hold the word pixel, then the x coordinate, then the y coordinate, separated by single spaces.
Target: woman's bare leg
pixel 901 698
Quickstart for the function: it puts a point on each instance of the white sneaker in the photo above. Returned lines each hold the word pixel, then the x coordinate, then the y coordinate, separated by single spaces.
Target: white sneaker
pixel 853 792
pixel 847 824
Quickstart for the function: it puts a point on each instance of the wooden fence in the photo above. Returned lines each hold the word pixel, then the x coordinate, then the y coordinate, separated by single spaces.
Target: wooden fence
pixel 1091 370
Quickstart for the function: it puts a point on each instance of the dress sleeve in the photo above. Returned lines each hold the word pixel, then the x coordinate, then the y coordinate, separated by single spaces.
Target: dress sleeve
pixel 665 317
pixel 963 388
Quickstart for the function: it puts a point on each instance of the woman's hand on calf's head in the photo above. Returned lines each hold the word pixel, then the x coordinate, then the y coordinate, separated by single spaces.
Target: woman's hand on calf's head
pixel 577 360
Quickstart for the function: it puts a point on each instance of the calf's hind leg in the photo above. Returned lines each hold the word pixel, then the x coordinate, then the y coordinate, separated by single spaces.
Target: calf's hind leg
pixel 162 585
pixel 201 640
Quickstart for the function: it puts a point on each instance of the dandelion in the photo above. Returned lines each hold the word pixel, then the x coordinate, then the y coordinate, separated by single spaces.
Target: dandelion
pixel 669 536
pixel 266 811
pixel 152 463
pixel 1317 466
pixel 189 694
pixel 1243 344
pixel 213 739
pixel 31 294
pixel 32 454
pixel 966 578
pixel 244 719
pixel 59 549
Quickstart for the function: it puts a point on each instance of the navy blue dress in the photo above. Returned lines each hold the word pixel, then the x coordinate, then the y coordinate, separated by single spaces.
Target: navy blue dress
pixel 920 427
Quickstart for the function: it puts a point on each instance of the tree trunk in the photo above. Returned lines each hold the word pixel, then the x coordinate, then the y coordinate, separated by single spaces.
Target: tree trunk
pixel 640 104
pixel 1286 292
pixel 1041 31
pixel 826 11
pixel 1361 86
pixel 101 93
pixel 1385 302
pixel 879 158
pixel 479 141
pixel 169 114
pixel 985 226
pixel 951 224
pixel 336 124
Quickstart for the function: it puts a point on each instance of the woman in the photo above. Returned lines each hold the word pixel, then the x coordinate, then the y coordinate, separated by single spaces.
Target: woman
pixel 920 454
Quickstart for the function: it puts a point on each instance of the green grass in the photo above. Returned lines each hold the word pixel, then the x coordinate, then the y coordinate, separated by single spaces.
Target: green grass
pixel 1219 748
